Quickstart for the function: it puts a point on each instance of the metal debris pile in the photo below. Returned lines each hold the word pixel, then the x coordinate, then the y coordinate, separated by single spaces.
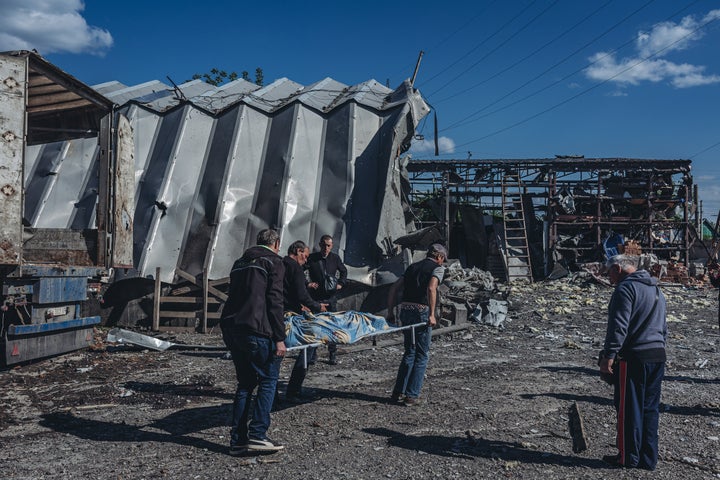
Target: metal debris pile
pixel 477 292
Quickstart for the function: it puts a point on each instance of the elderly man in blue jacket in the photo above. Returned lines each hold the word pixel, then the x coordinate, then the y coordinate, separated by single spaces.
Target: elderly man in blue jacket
pixel 634 354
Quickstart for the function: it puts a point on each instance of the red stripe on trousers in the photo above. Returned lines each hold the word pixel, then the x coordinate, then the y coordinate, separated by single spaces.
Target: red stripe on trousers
pixel 621 413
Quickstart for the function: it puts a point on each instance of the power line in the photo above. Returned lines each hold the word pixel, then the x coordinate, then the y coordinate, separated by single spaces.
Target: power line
pixel 567 100
pixel 502 27
pixel 705 150
pixel 466 120
pixel 502 44
pixel 448 37
pixel 533 53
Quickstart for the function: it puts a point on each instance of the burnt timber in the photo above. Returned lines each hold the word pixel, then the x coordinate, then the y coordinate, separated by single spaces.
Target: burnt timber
pixel 575 208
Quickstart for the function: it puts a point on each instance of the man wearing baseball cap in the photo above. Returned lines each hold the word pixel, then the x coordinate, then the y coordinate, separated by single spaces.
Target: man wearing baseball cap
pixel 419 296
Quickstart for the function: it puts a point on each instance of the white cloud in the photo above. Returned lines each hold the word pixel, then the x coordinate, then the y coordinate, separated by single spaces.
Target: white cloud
pixel 50 26
pixel 648 65
pixel 445 145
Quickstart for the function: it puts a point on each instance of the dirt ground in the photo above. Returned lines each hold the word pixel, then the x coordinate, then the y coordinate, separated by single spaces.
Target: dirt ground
pixel 495 404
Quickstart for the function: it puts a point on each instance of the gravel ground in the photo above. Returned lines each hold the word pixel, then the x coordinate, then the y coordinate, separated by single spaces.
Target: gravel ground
pixel 495 404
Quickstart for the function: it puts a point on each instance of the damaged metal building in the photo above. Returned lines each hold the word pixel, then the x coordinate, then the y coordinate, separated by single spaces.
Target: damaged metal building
pixel 215 165
pixel 203 169
pixel 525 218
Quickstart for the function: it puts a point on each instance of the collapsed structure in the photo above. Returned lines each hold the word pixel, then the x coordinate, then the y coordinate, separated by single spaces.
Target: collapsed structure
pixel 524 218
pixel 174 182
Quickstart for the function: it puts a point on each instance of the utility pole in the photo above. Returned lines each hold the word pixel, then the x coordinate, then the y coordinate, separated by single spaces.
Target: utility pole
pixel 417 67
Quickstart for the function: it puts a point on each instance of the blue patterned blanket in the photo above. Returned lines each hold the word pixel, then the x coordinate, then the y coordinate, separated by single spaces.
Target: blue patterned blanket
pixel 329 327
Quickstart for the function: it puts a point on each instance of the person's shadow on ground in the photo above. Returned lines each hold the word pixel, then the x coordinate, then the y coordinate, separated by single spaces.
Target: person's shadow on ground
pixel 480 447
pixel 176 427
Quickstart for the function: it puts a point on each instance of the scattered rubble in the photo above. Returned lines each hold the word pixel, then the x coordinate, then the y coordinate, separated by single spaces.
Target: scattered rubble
pixel 496 403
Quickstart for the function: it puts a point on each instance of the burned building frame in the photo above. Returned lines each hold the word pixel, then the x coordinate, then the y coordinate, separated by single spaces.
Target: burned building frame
pixel 538 213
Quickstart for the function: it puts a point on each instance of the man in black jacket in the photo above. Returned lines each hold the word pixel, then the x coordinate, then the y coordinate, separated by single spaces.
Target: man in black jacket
pixel 295 292
pixel 327 276
pixel 253 329
pixel 297 299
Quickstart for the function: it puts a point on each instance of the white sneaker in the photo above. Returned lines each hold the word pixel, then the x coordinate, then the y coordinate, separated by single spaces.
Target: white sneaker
pixel 265 445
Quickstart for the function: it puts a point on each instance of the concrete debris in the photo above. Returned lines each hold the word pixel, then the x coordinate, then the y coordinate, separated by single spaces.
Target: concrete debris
pixel 457 277
pixel 494 313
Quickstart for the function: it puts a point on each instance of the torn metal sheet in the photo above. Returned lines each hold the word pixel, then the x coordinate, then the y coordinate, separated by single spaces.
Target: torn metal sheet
pixel 493 313
pixel 118 335
pixel 216 165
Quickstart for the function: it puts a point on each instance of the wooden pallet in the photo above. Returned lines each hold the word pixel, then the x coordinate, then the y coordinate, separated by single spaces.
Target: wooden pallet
pixel 199 299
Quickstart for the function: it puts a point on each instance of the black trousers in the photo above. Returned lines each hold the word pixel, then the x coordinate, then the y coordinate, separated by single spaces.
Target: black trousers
pixel 637 402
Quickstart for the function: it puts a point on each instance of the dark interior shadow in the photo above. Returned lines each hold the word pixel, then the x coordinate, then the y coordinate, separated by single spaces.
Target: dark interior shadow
pixel 572 398
pixel 480 447
pixel 176 426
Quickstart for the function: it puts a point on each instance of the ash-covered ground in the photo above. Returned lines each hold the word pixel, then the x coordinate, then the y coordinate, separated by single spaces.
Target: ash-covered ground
pixel 495 404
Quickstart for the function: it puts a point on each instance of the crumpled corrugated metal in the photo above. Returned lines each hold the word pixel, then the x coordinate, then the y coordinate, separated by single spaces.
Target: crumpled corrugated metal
pixel 215 165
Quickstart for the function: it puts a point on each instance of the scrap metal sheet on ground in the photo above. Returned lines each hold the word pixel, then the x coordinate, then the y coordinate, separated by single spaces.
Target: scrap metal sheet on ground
pixel 332 327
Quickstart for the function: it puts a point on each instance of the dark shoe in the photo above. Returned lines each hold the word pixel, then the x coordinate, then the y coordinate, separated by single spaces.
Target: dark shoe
pixel 395 397
pixel 238 450
pixel 612 460
pixel 264 446
pixel 411 402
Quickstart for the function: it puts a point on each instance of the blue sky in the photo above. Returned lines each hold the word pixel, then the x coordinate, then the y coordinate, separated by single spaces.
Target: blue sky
pixel 507 78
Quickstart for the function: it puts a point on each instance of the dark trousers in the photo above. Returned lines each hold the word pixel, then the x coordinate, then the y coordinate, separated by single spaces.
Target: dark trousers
pixel 256 367
pixel 637 402
pixel 299 371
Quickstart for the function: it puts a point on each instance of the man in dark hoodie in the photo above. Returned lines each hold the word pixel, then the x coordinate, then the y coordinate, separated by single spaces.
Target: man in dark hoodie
pixel 634 354
pixel 297 299
pixel 253 329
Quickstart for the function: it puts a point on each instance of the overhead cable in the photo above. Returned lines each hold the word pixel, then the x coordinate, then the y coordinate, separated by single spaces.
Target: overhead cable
pixel 593 87
pixel 498 47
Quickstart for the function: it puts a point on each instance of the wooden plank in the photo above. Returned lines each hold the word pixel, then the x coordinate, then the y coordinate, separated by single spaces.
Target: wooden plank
pixel 156 302
pixel 219 281
pixel 177 314
pixel 217 293
pixel 12 153
pixel 60 106
pixel 216 315
pixel 124 195
pixel 167 328
pixel 206 286
pixel 193 300
pixel 577 430
pixel 186 276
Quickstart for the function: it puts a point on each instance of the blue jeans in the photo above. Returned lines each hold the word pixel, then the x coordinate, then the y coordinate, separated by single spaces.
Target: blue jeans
pixel 256 365
pixel 415 359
